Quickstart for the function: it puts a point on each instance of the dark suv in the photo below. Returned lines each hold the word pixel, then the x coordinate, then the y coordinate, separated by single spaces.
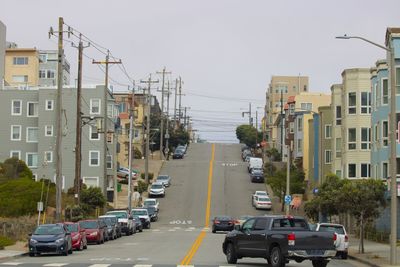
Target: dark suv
pixel 50 238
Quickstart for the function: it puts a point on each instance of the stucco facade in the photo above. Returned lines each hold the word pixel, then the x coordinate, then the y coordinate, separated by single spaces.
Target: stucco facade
pixel 2 51
pixel 336 113
pixel 22 67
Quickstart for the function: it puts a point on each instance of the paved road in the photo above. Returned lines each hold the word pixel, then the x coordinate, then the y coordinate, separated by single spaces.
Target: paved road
pixel 182 235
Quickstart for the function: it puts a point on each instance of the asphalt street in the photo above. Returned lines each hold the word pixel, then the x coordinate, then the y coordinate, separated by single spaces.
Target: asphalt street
pixel 211 180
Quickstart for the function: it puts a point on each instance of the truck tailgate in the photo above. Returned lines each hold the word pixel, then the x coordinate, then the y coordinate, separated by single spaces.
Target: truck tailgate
pixel 311 240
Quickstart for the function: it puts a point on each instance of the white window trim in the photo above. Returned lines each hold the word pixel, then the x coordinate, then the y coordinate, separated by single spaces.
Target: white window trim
pixel 369 108
pixel 91 106
pixel 328 150
pixel 112 137
pixel 330 126
pixel 348 104
pixel 45 130
pixel 27 134
pixel 12 107
pixel 382 137
pixel 52 104
pixel 90 158
pixel 388 169
pixel 388 95
pixel 291 127
pixel 365 142
pixel 368 170
pixel 20 133
pixel 26 157
pixel 348 169
pixel 15 151
pixel 352 142
pixel 27 109
pixel 90 134
pixel 109 156
pixel 85 177
pixel 45 156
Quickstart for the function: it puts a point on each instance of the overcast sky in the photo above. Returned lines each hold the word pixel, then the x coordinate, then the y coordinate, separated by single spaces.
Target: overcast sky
pixel 226 50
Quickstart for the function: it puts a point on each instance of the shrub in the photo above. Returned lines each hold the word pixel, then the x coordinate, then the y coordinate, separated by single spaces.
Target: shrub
pixel 151 176
pixel 13 168
pixel 142 186
pixel 5 241
pixel 137 154
pixel 92 198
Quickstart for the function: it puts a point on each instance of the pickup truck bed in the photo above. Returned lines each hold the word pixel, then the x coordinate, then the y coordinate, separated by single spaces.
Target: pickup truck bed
pixel 279 239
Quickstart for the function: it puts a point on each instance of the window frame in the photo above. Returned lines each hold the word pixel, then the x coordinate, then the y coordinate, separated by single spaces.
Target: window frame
pixel 383 95
pixel 351 142
pixel 328 152
pixel 90 158
pixel 291 127
pixel 27 134
pixel 366 107
pixel 20 133
pixel 109 160
pixel 91 132
pixel 12 107
pixel 25 59
pixel 368 170
pixel 299 124
pixel 353 107
pixel 92 100
pixel 355 170
pixel 338 120
pixel 385 139
pixel 383 163
pixel 90 177
pixel 15 151
pixel 27 161
pixel 27 109
pixel 368 142
pixel 338 152
pixel 328 126
pixel 45 156
pixel 52 130
pixel 47 101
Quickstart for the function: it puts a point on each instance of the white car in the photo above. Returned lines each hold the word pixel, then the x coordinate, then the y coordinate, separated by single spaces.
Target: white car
pixel 151 202
pixel 262 202
pixel 342 239
pixel 258 194
pixel 124 172
pixel 127 224
pixel 143 215
pixel 157 189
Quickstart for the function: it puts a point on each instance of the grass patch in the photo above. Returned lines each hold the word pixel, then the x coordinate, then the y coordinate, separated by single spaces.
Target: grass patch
pixel 5 241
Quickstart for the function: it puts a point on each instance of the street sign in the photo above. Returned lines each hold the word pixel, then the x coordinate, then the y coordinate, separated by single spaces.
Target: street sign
pixel 40 206
pixel 166 136
pixel 288 199
pixel 315 190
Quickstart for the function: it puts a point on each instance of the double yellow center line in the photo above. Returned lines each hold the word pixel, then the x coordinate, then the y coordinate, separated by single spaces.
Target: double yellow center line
pixel 200 237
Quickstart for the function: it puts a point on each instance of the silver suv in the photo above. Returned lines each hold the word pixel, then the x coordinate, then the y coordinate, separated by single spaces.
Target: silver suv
pixel 125 220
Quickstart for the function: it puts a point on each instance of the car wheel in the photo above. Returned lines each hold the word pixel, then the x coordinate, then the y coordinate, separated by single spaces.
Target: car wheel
pixel 65 253
pixel 276 258
pixel 149 226
pixel 344 255
pixel 141 229
pixel 213 230
pixel 319 263
pixel 31 254
pixel 231 256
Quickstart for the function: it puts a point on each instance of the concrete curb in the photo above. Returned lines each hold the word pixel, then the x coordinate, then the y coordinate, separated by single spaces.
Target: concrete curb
pixel 14 257
pixel 364 261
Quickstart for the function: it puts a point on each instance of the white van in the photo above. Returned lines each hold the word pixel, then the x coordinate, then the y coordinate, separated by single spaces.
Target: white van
pixel 255 163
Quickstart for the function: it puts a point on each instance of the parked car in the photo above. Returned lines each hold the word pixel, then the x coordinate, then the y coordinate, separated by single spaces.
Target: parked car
pixel 78 235
pixel 242 219
pixel 50 238
pixel 124 172
pixel 157 189
pixel 223 223
pixel 254 163
pixel 95 231
pixel 259 193
pixel 138 223
pixel 279 239
pixel 127 224
pixel 111 230
pixel 257 175
pixel 178 154
pixel 261 202
pixel 165 179
pixel 143 215
pixel 153 213
pixel 183 148
pixel 114 221
pixel 151 202
pixel 342 239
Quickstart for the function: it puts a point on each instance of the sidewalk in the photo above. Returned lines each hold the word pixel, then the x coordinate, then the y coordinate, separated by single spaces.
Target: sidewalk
pixel 14 251
pixel 376 254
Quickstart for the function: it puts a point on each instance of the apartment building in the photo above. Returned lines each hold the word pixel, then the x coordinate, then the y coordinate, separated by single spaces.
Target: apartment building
pixel 29 120
pixel 2 51
pixel 336 113
pixel 48 65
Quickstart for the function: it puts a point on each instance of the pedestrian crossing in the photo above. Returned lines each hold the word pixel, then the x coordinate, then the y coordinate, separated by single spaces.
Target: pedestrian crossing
pixel 26 264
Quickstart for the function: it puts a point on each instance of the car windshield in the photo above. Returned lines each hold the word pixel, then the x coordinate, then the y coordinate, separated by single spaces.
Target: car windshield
pixel 89 224
pixel 223 218
pixel 139 212
pixel 107 221
pixel 119 214
pixel 156 186
pixel 332 228
pixel 149 203
pixel 151 209
pixel 72 227
pixel 162 177
pixel 49 230
pixel 264 199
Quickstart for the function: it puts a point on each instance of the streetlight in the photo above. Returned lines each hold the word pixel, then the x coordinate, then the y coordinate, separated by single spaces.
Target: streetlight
pixel 393 126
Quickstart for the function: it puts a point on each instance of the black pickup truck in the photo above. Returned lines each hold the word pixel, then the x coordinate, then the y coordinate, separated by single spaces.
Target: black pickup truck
pixel 278 239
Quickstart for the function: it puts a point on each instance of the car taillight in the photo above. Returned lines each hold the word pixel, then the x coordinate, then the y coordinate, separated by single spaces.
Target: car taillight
pixel 346 238
pixel 334 237
pixel 216 222
pixel 291 239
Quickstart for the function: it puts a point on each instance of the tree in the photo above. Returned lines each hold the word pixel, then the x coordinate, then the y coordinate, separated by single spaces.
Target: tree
pixel 273 154
pixel 14 168
pixel 92 198
pixel 177 137
pixel 248 135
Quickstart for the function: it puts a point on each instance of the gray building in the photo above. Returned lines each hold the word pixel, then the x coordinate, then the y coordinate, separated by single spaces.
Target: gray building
pixel 48 64
pixel 2 51
pixel 29 120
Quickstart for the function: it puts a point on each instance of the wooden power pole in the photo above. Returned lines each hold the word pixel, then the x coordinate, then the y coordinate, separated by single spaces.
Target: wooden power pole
pixel 163 72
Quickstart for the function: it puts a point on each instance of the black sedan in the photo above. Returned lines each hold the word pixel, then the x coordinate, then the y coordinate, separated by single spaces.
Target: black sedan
pixel 257 176
pixel 50 238
pixel 223 223
pixel 178 154
pixel 153 213
pixel 138 223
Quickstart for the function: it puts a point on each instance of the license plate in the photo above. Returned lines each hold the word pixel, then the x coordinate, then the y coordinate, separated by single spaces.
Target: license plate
pixel 317 252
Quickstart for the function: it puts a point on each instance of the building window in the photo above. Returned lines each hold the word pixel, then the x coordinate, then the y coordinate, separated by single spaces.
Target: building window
pixel 109 162
pixel 20 60
pixel 49 105
pixel 365 103
pixel 365 170
pixel 385 133
pixel 42 58
pixel 94 134
pixel 94 106
pixel 110 138
pixel 32 134
pixel 32 160
pixel 338 147
pixel 305 88
pixel 376 98
pixel 300 124
pixel 328 131
pixel 51 74
pixel 306 106
pixel 385 91
pixel 110 109
pixel 299 145
pixel 91 181
pixel 385 170
pixel 365 138
pixel 32 109
pixel 48 130
pixel 352 170
pixel 352 103
pixel 16 132
pixel 16 107
pixel 15 154
pixel 291 127
pixel 338 115
pixel 397 80
pixel 94 158
pixel 281 89
pixel 48 156
pixel 291 109
pixel 328 156
pixel 42 74
pixel 352 138
pixel 20 78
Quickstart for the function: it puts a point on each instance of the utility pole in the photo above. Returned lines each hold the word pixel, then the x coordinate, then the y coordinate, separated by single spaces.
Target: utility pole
pixel 180 99
pixel 282 120
pixel 130 159
pixel 78 139
pixel 256 127
pixel 184 120
pixel 264 148
pixel 287 178
pixel 167 130
pixel 162 113
pixel 105 116
pixel 176 95
pixel 146 164
pixel 250 120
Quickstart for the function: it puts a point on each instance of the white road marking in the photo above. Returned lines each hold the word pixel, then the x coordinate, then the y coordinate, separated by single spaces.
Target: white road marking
pixel 12 263
pixel 99 265
pixel 142 265
pixel 193 228
pixel 171 230
pixel 131 244
pixel 143 259
pixel 56 264
pixel 177 228
pixel 156 230
pixel 189 230
pixel 185 266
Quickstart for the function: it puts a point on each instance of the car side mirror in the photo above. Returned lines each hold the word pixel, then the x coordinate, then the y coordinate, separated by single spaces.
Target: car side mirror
pixel 237 227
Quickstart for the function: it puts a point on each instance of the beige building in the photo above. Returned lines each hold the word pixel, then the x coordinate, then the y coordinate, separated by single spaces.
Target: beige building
pixel 280 87
pixel 22 67
pixel 336 111
pixel 2 51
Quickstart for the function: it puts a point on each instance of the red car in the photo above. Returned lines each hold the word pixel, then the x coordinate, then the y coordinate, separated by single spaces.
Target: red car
pixel 78 235
pixel 95 231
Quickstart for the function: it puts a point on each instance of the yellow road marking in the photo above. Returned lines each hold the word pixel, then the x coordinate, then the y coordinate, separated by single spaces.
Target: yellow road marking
pixel 188 258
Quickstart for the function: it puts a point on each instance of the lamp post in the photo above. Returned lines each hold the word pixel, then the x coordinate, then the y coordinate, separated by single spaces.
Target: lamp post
pixel 393 143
